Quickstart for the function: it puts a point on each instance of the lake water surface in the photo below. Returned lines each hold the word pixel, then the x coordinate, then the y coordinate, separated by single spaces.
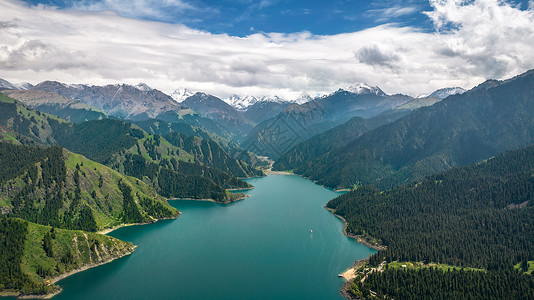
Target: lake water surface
pixel 258 248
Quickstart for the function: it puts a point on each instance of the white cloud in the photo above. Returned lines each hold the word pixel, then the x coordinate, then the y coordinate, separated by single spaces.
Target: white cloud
pixel 389 13
pixel 152 9
pixel 475 40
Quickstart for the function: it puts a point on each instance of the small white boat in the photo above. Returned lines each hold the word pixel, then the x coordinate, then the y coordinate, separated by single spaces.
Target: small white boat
pixel 311 231
pixel 339 275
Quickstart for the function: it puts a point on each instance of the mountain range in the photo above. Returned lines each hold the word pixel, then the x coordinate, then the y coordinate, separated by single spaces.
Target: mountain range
pixel 461 129
pixel 84 157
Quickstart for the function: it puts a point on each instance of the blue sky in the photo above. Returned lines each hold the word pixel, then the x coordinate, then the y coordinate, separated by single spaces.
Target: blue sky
pixel 267 47
pixel 243 17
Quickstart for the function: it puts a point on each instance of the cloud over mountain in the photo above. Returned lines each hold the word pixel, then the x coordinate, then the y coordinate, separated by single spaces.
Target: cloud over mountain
pixel 473 41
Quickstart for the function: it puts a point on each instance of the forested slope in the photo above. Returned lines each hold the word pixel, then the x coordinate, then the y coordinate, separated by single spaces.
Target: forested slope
pixel 52 186
pixel 481 215
pixel 461 129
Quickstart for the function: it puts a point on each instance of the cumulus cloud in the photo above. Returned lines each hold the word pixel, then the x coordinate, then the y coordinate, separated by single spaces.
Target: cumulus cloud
pixel 473 41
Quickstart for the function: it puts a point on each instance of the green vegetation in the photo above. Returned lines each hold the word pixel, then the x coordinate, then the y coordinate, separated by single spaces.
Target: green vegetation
pixel 54 187
pixel 21 124
pixel 210 153
pixel 30 254
pixel 480 216
pixel 434 283
pixel 301 156
pixel 457 131
pixel 185 175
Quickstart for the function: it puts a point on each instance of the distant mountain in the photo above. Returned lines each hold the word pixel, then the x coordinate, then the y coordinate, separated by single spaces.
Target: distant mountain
pixel 121 100
pixel 446 92
pixel 216 109
pixel 461 129
pixel 243 103
pixel 4 84
pixel 179 95
pixel 264 110
pixel 71 110
pixel 22 124
pixel 296 123
pixel 301 155
pixel 418 103
pixel 364 88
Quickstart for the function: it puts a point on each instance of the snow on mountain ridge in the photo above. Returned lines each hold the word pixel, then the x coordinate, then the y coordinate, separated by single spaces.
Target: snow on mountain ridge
pixel 143 87
pixel 179 95
pixel 446 92
pixel 244 102
pixel 364 88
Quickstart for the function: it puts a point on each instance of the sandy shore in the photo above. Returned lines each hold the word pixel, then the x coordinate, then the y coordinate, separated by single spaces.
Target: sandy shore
pixel 270 171
pixel 108 230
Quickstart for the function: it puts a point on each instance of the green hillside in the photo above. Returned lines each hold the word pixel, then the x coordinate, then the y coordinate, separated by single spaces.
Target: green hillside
pixel 114 143
pixel 457 131
pixel 128 149
pixel 481 215
pixel 301 156
pixel 68 109
pixel 21 124
pixel 52 186
pixel 32 257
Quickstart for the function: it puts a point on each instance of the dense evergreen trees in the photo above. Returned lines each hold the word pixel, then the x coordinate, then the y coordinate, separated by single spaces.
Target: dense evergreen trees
pixel 41 188
pixel 457 131
pixel 12 237
pixel 481 215
pixel 431 283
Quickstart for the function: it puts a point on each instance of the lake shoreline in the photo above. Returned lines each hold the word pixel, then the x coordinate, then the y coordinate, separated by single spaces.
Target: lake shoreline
pixel 358 238
pixel 53 280
pixel 105 231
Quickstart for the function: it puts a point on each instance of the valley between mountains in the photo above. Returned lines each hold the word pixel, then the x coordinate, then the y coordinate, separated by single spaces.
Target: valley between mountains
pixel 442 185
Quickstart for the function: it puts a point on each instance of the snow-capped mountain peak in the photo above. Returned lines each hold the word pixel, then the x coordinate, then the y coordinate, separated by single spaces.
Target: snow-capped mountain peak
pixel 244 102
pixel 364 88
pixel 143 87
pixel 179 95
pixel 446 92
pixel 241 102
pixel 303 98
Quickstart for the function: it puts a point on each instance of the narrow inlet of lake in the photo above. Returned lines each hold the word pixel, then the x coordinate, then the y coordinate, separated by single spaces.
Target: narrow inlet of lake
pixel 258 248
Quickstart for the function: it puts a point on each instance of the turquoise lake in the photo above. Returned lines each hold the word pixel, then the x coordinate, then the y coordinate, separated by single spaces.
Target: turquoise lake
pixel 258 248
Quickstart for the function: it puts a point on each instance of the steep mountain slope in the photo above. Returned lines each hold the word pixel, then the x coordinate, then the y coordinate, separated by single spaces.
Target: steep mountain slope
pixel 264 110
pixel 127 148
pixel 446 92
pixel 52 186
pixel 216 109
pixel 243 103
pixel 296 123
pixel 123 144
pixel 121 100
pixel 161 128
pixel 4 84
pixel 302 154
pixel 22 124
pixel 52 103
pixel 481 216
pixel 461 129
pixel 210 153
pixel 31 255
